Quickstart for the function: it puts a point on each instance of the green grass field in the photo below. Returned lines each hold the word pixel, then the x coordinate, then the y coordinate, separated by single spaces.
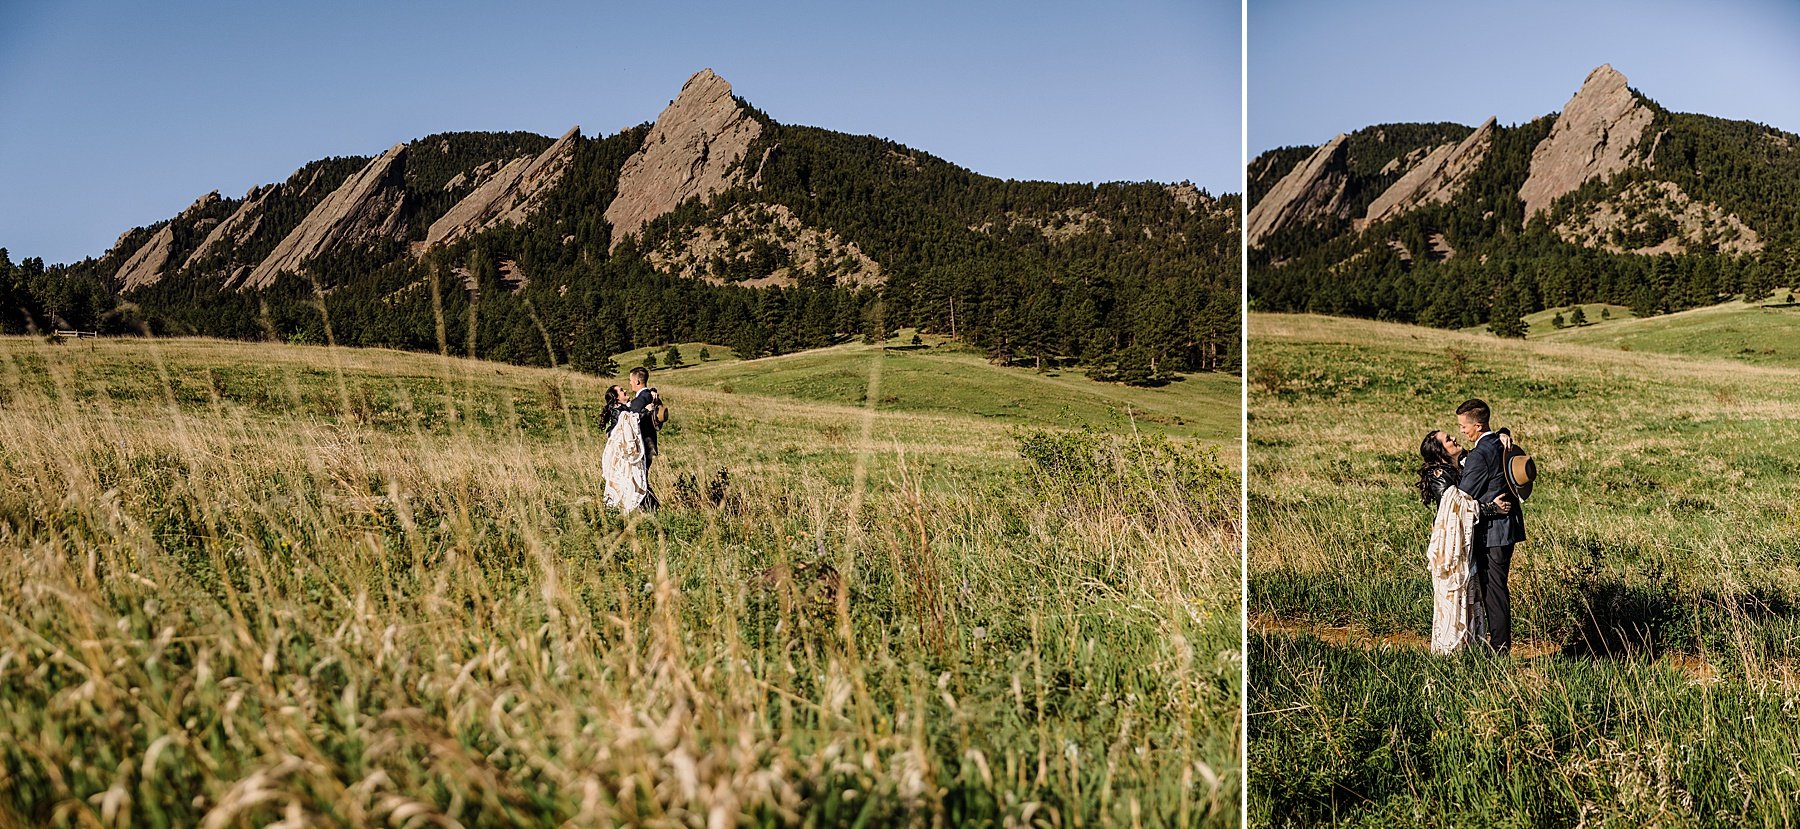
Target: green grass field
pixel 944 381
pixel 1757 333
pixel 247 583
pixel 1657 597
pixel 690 355
pixel 942 378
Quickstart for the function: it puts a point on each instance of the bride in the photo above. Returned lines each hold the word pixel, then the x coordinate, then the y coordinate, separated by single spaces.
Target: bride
pixel 1450 556
pixel 622 462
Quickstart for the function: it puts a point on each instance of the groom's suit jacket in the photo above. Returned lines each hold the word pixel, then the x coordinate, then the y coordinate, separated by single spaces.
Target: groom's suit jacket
pixel 640 403
pixel 1482 479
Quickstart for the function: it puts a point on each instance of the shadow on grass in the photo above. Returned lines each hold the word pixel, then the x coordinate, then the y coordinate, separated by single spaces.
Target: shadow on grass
pixel 1620 620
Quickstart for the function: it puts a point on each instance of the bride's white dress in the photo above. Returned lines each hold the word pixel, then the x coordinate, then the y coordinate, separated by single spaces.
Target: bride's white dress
pixel 1452 563
pixel 622 464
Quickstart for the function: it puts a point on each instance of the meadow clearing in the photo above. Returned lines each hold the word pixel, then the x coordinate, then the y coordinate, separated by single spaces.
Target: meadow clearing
pixel 1656 602
pixel 249 583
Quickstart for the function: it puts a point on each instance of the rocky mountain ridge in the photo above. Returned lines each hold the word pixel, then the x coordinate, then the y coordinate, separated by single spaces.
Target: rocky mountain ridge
pixel 713 222
pixel 1601 133
pixel 1612 198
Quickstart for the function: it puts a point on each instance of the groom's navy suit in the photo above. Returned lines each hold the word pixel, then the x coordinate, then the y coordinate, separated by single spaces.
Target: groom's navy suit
pixel 1483 478
pixel 640 403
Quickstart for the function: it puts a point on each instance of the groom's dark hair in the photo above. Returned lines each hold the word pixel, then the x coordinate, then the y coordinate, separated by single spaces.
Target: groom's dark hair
pixel 1477 409
pixel 641 374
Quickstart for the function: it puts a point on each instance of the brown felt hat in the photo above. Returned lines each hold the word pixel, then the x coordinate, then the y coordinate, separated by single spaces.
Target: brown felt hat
pixel 1521 472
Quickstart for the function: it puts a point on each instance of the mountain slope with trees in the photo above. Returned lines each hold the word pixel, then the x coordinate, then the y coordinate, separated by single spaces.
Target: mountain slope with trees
pixel 1671 211
pixel 799 238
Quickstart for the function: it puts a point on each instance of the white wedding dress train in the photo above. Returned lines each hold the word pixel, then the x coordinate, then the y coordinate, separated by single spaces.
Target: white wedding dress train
pixel 623 464
pixel 1452 563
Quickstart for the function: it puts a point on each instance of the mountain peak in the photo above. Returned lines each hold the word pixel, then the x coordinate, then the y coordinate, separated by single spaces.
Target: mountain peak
pixel 1596 136
pixel 1606 75
pixel 695 149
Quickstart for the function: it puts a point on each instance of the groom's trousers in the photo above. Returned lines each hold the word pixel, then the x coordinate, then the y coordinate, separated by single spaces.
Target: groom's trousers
pixel 1491 568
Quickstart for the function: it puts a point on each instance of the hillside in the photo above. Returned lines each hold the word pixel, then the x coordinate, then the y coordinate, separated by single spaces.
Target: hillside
pixel 956 383
pixel 1757 333
pixel 397 567
pixel 712 223
pixel 1612 199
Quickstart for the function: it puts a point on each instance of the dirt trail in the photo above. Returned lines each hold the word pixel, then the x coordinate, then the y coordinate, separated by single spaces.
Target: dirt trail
pixel 1354 636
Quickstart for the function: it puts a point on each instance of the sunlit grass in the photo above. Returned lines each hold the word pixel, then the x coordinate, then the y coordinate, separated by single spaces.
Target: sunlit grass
pixel 1659 573
pixel 246 583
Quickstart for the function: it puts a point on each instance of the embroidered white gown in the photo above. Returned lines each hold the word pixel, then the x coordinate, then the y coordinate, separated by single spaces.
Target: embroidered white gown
pixel 1451 560
pixel 623 464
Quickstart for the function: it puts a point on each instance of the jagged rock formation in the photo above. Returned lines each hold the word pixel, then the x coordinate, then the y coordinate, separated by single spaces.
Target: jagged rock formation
pixel 1596 135
pixel 509 196
pixel 1652 217
pixel 145 267
pixel 749 233
pixel 1314 188
pixel 1436 179
pixel 237 228
pixel 1407 161
pixel 364 208
pixel 1184 193
pixel 1440 246
pixel 695 149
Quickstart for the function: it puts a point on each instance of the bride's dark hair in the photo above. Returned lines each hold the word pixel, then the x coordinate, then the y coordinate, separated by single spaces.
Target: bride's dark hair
pixel 1437 463
pixel 615 400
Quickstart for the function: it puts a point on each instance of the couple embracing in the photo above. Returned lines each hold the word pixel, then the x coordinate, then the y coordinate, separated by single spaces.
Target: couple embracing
pixel 1478 493
pixel 630 422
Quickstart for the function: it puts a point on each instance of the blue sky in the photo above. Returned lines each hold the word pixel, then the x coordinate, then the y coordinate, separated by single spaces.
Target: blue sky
pixel 117 114
pixel 1321 67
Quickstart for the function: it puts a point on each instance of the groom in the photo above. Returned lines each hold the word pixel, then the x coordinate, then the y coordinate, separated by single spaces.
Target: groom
pixel 1483 478
pixel 644 401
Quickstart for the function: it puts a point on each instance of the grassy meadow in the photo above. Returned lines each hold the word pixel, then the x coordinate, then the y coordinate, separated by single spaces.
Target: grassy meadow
pixel 1656 601
pixel 250 583
pixel 1754 332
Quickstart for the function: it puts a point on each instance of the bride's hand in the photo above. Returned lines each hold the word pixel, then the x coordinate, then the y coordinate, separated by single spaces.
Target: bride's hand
pixel 1504 506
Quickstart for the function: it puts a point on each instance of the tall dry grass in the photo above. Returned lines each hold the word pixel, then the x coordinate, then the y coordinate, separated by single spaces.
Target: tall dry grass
pixel 250 585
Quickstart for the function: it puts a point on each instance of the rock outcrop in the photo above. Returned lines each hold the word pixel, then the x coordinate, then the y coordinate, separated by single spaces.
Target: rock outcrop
pixel 1060 226
pixel 1596 135
pixel 695 149
pixel 1652 217
pixel 1184 194
pixel 145 267
pixel 237 228
pixel 364 208
pixel 1436 179
pixel 509 196
pixel 742 239
pixel 1313 189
